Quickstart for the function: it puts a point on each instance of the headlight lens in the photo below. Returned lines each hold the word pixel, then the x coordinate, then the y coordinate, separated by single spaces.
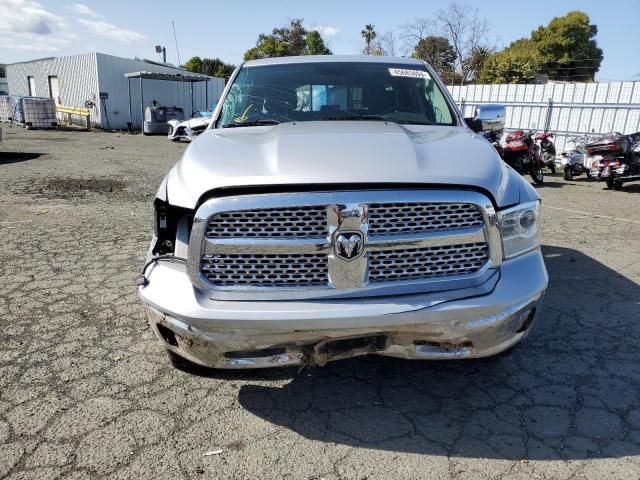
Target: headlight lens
pixel 519 229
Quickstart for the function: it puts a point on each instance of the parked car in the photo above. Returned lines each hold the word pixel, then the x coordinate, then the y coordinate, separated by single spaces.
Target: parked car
pixel 187 130
pixel 336 207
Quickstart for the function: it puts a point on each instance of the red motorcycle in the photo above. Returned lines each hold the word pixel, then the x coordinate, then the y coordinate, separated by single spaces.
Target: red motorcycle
pixel 522 154
pixel 547 150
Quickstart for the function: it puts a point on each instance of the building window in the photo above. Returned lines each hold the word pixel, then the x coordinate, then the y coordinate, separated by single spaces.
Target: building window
pixel 54 91
pixel 32 86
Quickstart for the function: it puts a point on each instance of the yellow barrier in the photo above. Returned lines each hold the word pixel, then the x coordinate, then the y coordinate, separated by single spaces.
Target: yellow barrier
pixel 82 112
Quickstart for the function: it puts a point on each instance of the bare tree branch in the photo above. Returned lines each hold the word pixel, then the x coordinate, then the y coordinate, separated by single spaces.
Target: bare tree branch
pixel 385 44
pixel 463 27
pixel 415 31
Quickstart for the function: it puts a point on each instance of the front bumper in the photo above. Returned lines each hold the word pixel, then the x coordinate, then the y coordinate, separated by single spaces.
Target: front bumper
pixel 242 334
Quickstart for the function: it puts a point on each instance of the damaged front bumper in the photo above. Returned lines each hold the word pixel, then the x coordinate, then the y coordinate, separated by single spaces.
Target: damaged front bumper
pixel 241 334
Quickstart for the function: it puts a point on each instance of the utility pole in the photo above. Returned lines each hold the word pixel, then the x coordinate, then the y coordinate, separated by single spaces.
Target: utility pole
pixel 163 51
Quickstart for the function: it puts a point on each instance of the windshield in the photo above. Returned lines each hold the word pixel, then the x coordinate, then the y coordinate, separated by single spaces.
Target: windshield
pixel 272 94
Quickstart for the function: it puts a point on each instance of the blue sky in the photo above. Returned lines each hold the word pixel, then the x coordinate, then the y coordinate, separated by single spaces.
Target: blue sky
pixel 33 29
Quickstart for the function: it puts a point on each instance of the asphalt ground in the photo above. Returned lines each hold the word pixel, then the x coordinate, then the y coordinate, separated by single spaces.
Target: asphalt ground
pixel 87 392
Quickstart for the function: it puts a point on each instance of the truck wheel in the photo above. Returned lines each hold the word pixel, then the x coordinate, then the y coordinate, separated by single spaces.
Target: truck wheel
pixel 568 175
pixel 610 182
pixel 617 184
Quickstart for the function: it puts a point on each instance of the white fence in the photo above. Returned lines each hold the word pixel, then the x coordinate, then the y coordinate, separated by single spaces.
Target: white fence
pixel 566 109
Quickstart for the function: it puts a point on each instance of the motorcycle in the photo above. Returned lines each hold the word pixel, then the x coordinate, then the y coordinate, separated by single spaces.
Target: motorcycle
pixel 575 159
pixel 622 164
pixel 520 153
pixel 547 150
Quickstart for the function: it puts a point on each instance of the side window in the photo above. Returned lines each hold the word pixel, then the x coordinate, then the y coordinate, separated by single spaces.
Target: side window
pixel 439 104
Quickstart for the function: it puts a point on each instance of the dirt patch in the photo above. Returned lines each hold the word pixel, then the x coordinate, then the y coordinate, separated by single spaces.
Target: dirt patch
pixel 58 187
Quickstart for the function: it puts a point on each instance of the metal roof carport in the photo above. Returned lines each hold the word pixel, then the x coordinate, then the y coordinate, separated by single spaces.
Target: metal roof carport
pixel 173 77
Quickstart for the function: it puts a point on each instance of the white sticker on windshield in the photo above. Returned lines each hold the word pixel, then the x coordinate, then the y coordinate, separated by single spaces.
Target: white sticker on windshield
pixel 404 72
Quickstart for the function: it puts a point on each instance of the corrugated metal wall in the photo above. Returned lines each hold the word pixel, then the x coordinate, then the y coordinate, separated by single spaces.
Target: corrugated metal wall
pixel 111 72
pixel 567 109
pixel 77 78
pixel 83 77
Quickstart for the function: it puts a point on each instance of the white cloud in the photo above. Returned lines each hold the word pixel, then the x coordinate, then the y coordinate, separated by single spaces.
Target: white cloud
pixel 27 17
pixel 83 10
pixel 31 42
pixel 108 30
pixel 326 31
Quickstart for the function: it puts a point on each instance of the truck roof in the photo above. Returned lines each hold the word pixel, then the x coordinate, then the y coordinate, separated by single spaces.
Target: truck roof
pixel 333 59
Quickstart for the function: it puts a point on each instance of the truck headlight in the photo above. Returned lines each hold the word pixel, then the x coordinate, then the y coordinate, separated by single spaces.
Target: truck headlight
pixel 519 229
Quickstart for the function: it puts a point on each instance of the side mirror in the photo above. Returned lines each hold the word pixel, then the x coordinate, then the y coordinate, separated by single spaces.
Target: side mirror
pixel 492 116
pixel 474 124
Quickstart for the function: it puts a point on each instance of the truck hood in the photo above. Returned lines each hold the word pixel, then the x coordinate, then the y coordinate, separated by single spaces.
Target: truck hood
pixel 349 152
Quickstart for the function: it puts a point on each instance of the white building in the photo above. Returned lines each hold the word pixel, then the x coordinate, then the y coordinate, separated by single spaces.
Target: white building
pixel 98 79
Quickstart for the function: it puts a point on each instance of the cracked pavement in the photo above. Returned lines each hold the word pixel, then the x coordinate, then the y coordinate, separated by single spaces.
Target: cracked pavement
pixel 87 392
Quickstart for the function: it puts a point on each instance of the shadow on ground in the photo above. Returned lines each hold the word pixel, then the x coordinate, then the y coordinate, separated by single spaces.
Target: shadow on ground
pixel 569 391
pixel 17 157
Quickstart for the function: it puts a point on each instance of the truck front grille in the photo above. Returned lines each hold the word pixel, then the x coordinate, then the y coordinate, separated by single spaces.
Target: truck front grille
pixel 419 263
pixel 291 222
pixel 407 218
pixel 271 243
pixel 269 270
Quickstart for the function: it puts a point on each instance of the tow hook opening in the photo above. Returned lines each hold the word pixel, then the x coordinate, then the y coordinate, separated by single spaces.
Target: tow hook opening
pixel 167 335
pixel 371 343
pixel 528 320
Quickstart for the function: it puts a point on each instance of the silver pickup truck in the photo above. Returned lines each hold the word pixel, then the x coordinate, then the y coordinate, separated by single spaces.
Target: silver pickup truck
pixel 336 207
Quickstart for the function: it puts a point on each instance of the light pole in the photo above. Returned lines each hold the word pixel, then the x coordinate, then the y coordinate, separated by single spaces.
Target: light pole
pixel 163 51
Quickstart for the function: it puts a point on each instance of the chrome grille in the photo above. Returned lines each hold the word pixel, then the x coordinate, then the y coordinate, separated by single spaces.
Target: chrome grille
pixel 294 222
pixel 408 218
pixel 266 270
pixel 422 263
pixel 292 246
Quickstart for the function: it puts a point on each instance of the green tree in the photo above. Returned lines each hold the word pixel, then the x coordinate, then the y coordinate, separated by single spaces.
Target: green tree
pixel 437 52
pixel 315 44
pixel 369 34
pixel 565 50
pixel 209 66
pixel 194 64
pixel 294 39
pixel 517 64
pixel 568 48
pixel 475 63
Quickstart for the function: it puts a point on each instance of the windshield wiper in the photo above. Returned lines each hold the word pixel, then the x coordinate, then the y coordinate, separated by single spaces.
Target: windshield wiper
pixel 357 117
pixel 252 123
pixel 378 117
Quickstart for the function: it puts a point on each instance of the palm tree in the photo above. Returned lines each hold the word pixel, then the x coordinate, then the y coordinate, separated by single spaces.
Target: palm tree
pixel 369 34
